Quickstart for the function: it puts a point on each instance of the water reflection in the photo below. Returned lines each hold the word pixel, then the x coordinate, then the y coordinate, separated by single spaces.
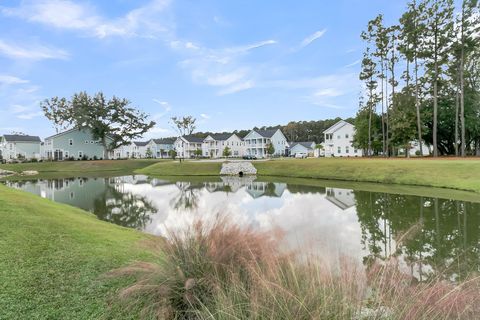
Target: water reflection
pixel 428 235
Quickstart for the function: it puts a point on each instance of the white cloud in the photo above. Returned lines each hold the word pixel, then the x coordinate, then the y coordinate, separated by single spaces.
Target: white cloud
pixel 11 80
pixel 66 14
pixel 29 115
pixel 222 68
pixel 237 87
pixel 353 63
pixel 204 116
pixel 308 40
pixel 36 52
pixel 328 92
pixel 166 109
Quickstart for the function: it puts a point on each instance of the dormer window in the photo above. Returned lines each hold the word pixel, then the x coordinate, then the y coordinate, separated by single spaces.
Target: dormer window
pixel 70 142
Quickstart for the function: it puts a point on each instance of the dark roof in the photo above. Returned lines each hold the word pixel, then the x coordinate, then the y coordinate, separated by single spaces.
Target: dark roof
pixel 193 139
pixel 221 136
pixel 21 138
pixel 306 144
pixel 140 143
pixel 266 133
pixel 164 141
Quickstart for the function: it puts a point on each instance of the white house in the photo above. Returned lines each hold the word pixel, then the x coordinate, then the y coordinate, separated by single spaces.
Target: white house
pixel 185 146
pixel 415 149
pixel 13 146
pixel 303 148
pixel 258 141
pixel 338 140
pixel 214 145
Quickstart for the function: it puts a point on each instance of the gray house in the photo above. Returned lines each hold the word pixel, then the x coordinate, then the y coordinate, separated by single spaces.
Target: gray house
pixel 160 148
pixel 15 146
pixel 74 143
pixel 303 148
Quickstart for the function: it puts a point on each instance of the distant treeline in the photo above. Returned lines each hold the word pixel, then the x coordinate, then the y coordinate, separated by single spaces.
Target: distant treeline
pixel 294 130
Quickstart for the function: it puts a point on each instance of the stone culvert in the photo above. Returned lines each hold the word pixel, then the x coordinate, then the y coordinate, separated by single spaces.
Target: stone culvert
pixel 240 168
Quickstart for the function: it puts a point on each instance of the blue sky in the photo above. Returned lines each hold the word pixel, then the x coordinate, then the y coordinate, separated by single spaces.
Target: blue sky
pixel 231 64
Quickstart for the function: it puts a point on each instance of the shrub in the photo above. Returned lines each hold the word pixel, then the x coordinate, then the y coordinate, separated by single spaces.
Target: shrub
pixel 222 271
pixel 84 158
pixel 94 158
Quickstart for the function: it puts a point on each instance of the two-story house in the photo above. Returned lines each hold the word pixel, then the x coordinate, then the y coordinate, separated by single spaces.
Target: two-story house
pixel 339 140
pixel 186 146
pixel 160 148
pixel 215 144
pixel 257 143
pixel 76 143
pixel 15 146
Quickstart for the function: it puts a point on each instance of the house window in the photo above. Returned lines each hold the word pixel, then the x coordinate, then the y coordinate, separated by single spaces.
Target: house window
pixel 80 154
pixel 70 142
pixel 347 149
pixel 92 142
pixel 66 154
pixel 339 150
pixel 346 135
pixel 338 137
pixel 86 141
pixel 72 195
pixel 355 150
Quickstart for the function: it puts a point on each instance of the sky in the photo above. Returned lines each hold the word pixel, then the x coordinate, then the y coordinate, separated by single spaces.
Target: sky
pixel 231 64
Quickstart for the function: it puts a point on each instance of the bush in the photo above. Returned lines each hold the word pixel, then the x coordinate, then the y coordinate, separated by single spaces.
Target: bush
pixel 34 160
pixel 94 158
pixel 84 158
pixel 222 271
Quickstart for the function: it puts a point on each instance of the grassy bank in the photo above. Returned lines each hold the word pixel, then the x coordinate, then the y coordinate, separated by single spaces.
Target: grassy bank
pixel 75 168
pixel 443 173
pixel 53 256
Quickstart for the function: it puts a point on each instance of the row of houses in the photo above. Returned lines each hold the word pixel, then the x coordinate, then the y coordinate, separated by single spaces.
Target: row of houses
pixel 80 144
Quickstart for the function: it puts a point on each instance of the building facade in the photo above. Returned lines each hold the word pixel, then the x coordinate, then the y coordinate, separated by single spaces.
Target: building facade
pixel 214 145
pixel 75 144
pixel 257 143
pixel 302 148
pixel 187 146
pixel 15 146
pixel 161 148
pixel 339 141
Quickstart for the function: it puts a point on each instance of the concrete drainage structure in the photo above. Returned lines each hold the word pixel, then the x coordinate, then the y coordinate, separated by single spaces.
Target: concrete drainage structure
pixel 240 168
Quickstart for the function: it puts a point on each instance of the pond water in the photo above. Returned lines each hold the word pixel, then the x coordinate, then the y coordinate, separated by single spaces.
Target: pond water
pixel 428 235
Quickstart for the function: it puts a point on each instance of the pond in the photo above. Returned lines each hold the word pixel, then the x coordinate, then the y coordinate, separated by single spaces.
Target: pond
pixel 427 235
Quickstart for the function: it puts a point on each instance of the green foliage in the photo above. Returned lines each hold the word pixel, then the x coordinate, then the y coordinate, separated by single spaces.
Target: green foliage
pixel 227 152
pixel 198 153
pixel 172 154
pixel 113 120
pixel 270 149
pixel 185 125
pixel 149 153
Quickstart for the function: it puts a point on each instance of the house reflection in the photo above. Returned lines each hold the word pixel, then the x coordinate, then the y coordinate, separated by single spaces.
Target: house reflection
pixel 342 198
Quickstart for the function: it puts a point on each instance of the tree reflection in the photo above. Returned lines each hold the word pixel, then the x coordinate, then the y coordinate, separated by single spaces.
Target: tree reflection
pixel 446 237
pixel 123 208
pixel 188 196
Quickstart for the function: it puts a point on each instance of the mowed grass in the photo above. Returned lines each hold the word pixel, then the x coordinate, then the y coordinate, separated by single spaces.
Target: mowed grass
pixel 184 168
pixel 444 173
pixel 53 258
pixel 74 168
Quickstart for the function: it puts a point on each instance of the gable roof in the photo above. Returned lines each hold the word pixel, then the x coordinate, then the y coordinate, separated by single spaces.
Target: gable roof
pixel 192 138
pixel 306 144
pixel 164 140
pixel 140 143
pixel 340 124
pixel 266 133
pixel 21 138
pixel 221 136
pixel 74 129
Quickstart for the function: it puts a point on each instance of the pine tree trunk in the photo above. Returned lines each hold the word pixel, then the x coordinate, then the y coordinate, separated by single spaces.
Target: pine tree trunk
pixel 457 106
pixel 435 95
pixel 462 103
pixel 383 113
pixel 417 107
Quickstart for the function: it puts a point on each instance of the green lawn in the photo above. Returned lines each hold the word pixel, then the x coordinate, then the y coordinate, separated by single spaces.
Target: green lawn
pixel 53 258
pixel 184 168
pixel 444 173
pixel 74 168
